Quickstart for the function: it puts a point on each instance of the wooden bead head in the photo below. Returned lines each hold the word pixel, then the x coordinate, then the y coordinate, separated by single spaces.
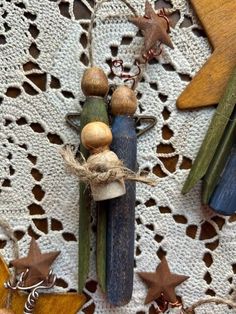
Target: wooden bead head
pixel 6 311
pixel 123 101
pixel 96 136
pixel 94 82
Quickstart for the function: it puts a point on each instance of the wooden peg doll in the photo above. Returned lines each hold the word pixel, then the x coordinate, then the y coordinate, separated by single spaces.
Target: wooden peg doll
pixel 95 86
pixel 121 210
pixel 105 173
pixel 96 137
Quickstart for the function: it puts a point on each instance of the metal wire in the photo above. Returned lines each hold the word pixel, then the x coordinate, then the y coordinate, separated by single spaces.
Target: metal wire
pixel 44 284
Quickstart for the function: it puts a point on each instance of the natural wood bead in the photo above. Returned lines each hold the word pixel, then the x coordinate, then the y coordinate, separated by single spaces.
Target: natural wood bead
pixel 94 82
pixel 96 136
pixel 123 101
pixel 6 311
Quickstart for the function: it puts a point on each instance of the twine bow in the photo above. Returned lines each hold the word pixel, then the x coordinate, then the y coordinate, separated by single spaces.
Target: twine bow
pixel 94 172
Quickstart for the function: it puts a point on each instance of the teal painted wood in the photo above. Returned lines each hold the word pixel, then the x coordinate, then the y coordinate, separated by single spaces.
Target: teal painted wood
pixel 223 200
pixel 219 160
pixel 121 218
pixel 94 109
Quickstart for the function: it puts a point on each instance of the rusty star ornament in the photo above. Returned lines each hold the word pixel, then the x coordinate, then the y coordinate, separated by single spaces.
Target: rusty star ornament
pixel 48 303
pixel 162 282
pixel 38 264
pixel 154 26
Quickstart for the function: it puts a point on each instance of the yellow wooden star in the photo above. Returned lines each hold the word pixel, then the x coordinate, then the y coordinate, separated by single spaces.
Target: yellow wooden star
pixel 63 303
pixel 219 21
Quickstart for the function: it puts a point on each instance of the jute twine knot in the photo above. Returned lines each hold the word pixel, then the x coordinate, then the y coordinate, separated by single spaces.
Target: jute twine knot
pixel 92 171
pixel 215 300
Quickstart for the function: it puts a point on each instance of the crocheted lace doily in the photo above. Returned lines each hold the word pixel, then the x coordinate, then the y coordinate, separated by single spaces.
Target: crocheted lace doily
pixel 43 55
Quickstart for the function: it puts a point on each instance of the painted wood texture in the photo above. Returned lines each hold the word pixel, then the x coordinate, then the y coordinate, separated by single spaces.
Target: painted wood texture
pixel 218 18
pixel 94 109
pixel 219 160
pixel 101 243
pixel 64 303
pixel 121 218
pixel 213 135
pixel 223 200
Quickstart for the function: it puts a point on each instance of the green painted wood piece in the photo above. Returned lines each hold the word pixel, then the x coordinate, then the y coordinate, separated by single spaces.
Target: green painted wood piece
pixel 213 136
pixel 84 234
pixel 101 244
pixel 94 109
pixel 218 162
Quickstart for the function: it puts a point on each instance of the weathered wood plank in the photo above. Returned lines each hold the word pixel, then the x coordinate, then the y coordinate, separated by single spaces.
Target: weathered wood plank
pixel 94 109
pixel 223 200
pixel 219 160
pixel 213 135
pixel 121 218
pixel 101 243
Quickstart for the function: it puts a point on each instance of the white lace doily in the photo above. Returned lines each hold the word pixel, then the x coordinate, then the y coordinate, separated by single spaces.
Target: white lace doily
pixel 43 55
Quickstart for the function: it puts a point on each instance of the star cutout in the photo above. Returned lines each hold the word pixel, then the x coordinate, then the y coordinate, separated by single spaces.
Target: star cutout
pixel 68 303
pixel 154 27
pixel 37 263
pixel 218 18
pixel 162 282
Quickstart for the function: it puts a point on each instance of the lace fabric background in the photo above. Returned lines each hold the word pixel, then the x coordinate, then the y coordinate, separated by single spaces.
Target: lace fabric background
pixel 43 55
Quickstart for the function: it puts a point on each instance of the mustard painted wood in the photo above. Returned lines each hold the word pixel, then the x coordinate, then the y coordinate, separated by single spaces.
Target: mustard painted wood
pixel 218 18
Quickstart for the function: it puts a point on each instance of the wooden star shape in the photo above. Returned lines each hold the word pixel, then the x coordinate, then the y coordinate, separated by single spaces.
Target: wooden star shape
pixel 218 18
pixel 154 27
pixel 162 282
pixel 69 303
pixel 38 264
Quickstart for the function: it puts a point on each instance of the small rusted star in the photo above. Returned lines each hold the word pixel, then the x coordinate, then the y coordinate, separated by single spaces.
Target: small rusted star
pixel 48 303
pixel 155 28
pixel 37 263
pixel 162 283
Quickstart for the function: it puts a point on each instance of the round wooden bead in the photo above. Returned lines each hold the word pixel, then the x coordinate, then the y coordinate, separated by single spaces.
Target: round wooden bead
pixel 96 135
pixel 6 311
pixel 123 101
pixel 94 82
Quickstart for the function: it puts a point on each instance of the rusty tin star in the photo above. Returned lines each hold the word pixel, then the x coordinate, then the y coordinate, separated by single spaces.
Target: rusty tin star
pixel 38 264
pixel 154 26
pixel 162 282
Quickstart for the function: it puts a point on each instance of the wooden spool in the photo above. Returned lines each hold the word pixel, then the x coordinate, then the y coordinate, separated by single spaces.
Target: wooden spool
pixel 121 211
pixel 96 137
